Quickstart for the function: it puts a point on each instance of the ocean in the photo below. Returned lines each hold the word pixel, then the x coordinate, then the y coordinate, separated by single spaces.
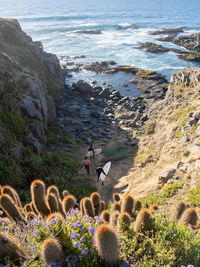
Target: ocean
pixel 123 25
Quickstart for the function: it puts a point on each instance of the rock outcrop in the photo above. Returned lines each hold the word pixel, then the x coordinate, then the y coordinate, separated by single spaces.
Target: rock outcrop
pixel 31 82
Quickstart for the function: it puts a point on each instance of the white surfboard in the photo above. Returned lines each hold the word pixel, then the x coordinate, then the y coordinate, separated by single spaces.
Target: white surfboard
pixel 106 169
pixel 96 152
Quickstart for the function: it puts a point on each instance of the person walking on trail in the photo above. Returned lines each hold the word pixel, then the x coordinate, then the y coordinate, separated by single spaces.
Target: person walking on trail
pixel 87 164
pixel 99 170
pixel 91 149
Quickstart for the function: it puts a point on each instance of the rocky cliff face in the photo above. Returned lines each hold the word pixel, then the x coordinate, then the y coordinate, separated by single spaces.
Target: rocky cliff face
pixel 31 82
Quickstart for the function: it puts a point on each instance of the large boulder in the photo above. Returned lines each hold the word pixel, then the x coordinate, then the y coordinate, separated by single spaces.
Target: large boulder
pixel 83 87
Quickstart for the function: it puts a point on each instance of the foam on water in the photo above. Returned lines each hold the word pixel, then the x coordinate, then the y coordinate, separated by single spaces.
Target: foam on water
pixel 123 24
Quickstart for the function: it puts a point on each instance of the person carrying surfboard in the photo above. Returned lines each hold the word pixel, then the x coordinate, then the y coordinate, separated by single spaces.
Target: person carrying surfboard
pixel 99 170
pixel 91 149
pixel 87 164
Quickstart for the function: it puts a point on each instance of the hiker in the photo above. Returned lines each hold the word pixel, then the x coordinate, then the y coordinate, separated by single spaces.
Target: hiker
pixel 91 149
pixel 99 170
pixel 87 164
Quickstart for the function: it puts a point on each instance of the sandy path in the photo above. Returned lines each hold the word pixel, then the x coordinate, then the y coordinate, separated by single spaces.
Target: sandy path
pixel 111 184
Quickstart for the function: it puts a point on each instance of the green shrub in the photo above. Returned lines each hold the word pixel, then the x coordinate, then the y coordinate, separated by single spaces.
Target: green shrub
pixel 193 196
pixel 119 152
pixel 160 198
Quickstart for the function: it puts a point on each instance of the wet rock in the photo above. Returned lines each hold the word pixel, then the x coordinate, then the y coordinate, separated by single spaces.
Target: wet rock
pixel 174 31
pixel 191 42
pixel 168 38
pixel 88 32
pixel 153 48
pixel 98 67
pixel 190 57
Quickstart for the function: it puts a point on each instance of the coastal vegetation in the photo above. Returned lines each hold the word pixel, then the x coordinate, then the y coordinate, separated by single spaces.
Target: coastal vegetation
pixel 56 233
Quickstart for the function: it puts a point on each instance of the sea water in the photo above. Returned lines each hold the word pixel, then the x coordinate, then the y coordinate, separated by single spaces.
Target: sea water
pixel 123 25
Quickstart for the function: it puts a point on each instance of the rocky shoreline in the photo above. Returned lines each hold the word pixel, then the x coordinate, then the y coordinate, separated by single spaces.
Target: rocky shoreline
pixel 190 42
pixel 91 112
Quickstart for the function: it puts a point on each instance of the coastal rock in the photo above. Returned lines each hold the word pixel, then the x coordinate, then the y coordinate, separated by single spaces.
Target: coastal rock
pixel 164 177
pixel 190 42
pixel 88 32
pixel 83 87
pixel 153 48
pixel 168 38
pixel 190 57
pixel 168 31
pixel 29 109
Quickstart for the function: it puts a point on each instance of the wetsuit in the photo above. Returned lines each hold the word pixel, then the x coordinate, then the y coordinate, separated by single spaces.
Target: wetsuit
pixel 91 149
pixel 99 170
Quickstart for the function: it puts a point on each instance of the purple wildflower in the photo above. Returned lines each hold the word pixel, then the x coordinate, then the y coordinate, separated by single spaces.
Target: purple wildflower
pixel 84 251
pixel 53 264
pixel 82 239
pixel 36 233
pixel 78 224
pixel 76 244
pixel 71 225
pixel 91 230
pixel 53 221
pixel 125 264
pixel 5 228
pixel 172 231
pixel 74 235
pixel 162 223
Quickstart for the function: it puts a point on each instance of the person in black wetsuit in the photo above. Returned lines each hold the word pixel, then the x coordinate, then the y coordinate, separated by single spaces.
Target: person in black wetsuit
pixel 99 170
pixel 91 149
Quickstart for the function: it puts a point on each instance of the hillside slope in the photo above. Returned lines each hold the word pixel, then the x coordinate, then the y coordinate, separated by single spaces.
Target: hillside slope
pixel 171 141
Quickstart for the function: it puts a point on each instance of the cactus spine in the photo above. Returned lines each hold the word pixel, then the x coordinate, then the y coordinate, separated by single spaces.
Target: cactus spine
pixel 27 208
pixel 65 193
pixel 102 206
pixel 11 249
pixel 51 251
pixel 105 215
pixel 10 209
pixel 137 205
pixel 82 206
pixel 55 215
pixel 12 193
pixel 68 203
pixel 189 216
pixel 95 198
pixel 124 221
pixel 127 204
pixel 179 210
pixel 114 218
pixel 117 206
pixel 116 197
pixel 54 190
pixel 107 244
pixel 143 221
pixel 52 203
pixel 88 208
pixel 38 193
pixel 30 216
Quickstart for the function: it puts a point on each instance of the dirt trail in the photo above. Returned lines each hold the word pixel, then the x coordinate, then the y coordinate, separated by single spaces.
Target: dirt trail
pixel 111 184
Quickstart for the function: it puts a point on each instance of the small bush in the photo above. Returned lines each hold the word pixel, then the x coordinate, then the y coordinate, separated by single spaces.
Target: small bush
pixel 160 199
pixel 118 152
